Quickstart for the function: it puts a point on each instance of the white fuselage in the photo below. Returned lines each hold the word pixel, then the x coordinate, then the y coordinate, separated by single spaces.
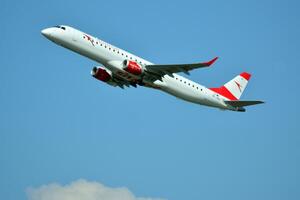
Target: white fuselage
pixel 112 58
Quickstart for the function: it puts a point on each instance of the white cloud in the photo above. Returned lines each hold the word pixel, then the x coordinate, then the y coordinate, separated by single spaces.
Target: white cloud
pixel 82 189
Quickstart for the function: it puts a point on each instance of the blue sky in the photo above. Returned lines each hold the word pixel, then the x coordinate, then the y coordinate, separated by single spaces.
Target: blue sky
pixel 58 124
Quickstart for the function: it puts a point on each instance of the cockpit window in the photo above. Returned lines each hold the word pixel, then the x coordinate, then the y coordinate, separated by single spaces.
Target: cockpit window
pixel 61 27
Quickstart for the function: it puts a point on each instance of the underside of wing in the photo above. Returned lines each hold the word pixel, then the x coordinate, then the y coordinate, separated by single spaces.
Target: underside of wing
pixel 161 70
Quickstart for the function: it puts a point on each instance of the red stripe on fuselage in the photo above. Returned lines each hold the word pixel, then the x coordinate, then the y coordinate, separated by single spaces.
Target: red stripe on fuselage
pixel 224 92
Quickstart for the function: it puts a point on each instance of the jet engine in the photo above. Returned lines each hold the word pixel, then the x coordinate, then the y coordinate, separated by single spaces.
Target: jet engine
pixel 132 67
pixel 101 74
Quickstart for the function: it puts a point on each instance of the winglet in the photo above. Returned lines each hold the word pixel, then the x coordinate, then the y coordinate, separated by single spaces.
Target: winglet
pixel 209 63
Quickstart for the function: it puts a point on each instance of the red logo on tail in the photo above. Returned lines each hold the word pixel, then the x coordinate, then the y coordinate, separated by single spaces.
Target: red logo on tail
pixel 239 86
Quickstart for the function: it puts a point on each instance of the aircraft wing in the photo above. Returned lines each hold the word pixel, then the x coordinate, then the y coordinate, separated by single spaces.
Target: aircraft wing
pixel 162 70
pixel 122 82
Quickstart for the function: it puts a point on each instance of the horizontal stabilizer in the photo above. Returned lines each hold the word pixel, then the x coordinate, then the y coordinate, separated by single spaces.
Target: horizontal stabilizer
pixel 242 103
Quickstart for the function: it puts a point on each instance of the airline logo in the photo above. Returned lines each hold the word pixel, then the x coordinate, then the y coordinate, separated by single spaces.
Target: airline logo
pixel 89 38
pixel 239 86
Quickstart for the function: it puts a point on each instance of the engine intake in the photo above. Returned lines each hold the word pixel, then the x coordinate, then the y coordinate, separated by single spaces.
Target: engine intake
pixel 132 67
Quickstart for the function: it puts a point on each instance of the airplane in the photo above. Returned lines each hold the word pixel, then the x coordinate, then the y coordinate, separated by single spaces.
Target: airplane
pixel 123 69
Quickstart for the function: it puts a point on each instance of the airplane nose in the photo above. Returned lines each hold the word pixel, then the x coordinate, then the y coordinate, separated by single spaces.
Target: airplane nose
pixel 46 32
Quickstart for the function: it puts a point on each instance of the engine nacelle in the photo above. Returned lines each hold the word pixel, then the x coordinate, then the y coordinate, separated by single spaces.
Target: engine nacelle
pixel 132 67
pixel 101 74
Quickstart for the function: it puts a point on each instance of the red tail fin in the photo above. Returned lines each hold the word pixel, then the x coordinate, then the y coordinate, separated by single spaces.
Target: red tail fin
pixel 233 89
